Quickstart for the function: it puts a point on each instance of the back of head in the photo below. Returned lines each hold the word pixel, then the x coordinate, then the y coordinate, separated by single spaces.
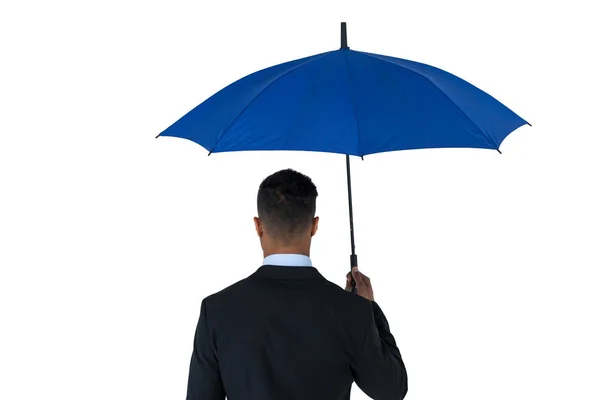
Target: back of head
pixel 286 205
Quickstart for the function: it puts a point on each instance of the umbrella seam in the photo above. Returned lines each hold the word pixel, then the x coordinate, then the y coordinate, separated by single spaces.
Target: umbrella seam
pixel 353 97
pixel 314 58
pixel 485 134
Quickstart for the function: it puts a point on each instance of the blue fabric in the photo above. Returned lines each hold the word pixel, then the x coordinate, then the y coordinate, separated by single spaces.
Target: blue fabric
pixel 348 102
pixel 288 260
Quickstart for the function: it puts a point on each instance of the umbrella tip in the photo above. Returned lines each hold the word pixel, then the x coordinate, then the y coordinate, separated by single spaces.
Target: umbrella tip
pixel 344 37
pixel 498 150
pixel 157 136
pixel 209 153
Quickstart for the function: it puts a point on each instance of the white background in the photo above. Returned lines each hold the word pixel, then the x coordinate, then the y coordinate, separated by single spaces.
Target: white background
pixel 485 264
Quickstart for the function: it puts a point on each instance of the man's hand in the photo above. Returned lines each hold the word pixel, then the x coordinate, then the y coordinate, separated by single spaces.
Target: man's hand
pixel 363 284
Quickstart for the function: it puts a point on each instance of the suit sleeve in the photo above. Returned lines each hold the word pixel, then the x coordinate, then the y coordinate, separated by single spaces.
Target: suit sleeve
pixel 378 369
pixel 204 382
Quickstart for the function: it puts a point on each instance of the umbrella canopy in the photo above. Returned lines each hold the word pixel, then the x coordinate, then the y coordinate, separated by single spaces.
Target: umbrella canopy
pixel 348 102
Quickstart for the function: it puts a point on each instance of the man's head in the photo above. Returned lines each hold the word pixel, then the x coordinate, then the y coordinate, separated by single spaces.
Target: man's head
pixel 286 213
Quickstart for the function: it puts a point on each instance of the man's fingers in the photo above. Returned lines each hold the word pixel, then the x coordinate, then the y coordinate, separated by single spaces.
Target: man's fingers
pixel 358 277
pixel 366 280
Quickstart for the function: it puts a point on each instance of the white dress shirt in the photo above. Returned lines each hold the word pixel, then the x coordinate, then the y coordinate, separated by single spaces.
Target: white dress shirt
pixel 288 260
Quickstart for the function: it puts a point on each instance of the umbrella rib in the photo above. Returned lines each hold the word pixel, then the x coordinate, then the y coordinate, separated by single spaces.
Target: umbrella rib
pixel 353 97
pixel 224 131
pixel 485 135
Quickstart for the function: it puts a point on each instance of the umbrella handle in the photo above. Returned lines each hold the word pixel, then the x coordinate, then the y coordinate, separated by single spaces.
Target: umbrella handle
pixel 353 263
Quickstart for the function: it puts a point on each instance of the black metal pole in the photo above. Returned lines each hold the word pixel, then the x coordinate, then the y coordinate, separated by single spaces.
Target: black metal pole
pixel 353 258
pixel 350 206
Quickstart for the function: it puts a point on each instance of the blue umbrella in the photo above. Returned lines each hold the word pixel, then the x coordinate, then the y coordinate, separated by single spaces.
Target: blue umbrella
pixel 348 102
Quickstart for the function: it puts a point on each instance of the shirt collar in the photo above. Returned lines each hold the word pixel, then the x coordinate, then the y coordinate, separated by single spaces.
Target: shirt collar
pixel 288 260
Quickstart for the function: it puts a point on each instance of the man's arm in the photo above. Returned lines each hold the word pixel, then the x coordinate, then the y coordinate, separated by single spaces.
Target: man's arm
pixel 379 370
pixel 204 382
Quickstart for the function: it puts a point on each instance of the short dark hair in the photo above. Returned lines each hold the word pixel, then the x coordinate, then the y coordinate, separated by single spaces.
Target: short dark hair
pixel 286 203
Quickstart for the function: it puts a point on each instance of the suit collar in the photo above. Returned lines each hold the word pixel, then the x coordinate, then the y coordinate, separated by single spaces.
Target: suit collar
pixel 279 272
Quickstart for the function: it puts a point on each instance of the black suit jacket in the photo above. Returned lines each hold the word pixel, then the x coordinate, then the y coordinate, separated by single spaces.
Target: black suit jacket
pixel 286 333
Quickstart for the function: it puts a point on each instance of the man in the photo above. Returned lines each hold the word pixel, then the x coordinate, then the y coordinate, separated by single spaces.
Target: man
pixel 285 332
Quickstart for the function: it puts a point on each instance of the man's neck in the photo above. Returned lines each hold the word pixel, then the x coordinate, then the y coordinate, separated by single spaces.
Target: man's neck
pixel 303 252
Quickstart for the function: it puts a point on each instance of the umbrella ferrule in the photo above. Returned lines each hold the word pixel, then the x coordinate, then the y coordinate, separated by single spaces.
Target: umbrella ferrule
pixel 344 38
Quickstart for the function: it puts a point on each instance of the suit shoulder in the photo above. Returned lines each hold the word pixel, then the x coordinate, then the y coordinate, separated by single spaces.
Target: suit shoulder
pixel 230 291
pixel 348 299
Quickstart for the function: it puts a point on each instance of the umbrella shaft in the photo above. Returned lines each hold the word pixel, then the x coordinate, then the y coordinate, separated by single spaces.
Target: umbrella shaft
pixel 350 204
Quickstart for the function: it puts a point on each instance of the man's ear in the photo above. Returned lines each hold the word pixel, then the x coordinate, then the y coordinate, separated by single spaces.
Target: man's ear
pixel 258 226
pixel 315 226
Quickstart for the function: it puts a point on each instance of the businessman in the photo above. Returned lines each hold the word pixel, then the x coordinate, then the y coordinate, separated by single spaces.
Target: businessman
pixel 285 332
